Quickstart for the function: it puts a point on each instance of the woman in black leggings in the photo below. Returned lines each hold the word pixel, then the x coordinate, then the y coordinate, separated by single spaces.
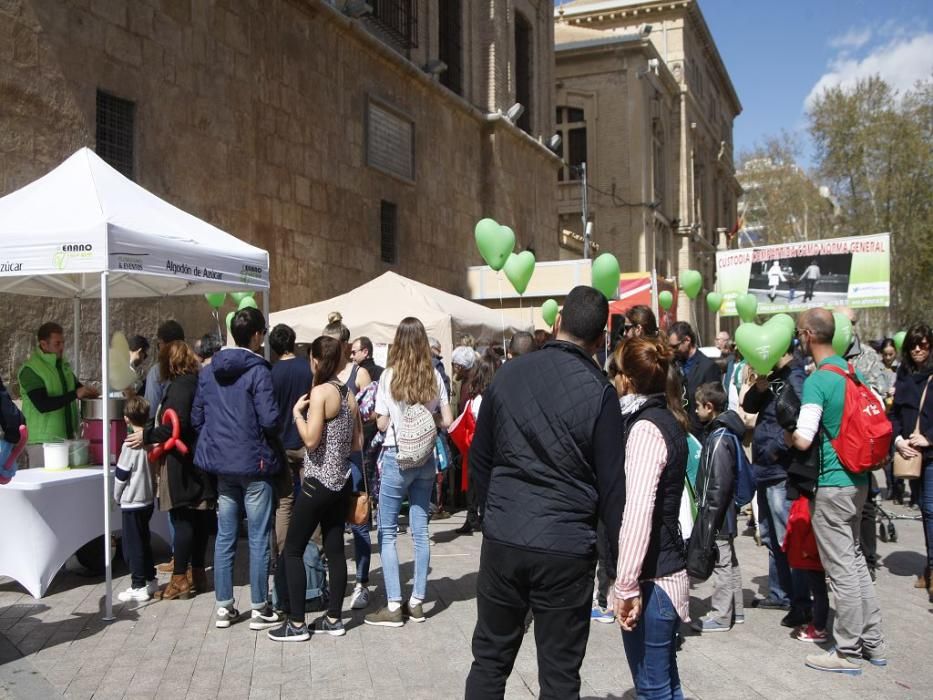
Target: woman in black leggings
pixel 329 425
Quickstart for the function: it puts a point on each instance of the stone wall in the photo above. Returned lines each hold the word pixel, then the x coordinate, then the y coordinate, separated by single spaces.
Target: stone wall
pixel 251 115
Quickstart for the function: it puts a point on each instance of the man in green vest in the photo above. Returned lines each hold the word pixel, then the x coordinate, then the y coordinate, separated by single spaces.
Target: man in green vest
pixel 49 389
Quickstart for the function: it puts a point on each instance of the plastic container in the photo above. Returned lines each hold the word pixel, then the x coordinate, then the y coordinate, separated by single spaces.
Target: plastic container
pixel 55 455
pixel 78 453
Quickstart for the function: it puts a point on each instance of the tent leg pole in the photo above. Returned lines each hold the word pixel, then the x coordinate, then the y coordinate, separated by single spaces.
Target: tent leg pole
pixel 76 364
pixel 265 312
pixel 105 392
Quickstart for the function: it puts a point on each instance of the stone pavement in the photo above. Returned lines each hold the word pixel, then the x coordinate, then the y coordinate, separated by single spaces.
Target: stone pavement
pixel 59 645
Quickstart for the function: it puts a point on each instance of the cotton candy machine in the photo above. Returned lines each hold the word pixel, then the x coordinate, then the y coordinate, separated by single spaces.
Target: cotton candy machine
pixel 92 415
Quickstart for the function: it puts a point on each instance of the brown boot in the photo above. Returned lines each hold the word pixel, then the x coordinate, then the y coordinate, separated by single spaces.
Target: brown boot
pixel 923 580
pixel 190 578
pixel 168 567
pixel 199 581
pixel 177 588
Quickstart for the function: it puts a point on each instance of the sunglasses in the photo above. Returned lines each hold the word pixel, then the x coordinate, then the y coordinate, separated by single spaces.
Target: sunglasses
pixel 922 345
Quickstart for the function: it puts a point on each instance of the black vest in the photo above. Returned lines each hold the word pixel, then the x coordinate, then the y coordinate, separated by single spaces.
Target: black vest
pixel 665 553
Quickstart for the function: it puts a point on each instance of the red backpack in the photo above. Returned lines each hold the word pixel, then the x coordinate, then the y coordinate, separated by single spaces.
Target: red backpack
pixel 864 438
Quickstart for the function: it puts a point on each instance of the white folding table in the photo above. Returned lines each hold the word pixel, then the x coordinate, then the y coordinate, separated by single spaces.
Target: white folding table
pixel 46 516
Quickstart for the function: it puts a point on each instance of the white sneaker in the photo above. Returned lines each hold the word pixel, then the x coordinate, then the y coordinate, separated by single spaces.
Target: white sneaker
pixel 265 618
pixel 152 586
pixel 138 594
pixel 360 597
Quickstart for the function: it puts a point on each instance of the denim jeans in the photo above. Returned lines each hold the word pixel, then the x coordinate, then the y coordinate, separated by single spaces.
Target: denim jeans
pixel 417 484
pixel 236 496
pixel 784 585
pixel 362 543
pixel 926 507
pixel 651 648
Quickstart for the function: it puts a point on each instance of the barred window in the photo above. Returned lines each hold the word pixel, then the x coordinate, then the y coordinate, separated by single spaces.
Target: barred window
pixel 115 132
pixel 388 231
pixel 398 19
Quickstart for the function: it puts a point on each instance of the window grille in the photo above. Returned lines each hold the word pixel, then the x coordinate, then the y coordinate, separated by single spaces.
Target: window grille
pixel 115 132
pixel 388 231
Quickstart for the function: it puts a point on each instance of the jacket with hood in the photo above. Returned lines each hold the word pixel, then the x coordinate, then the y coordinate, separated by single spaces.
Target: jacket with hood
pixel 237 417
pixel 716 480
pixel 771 455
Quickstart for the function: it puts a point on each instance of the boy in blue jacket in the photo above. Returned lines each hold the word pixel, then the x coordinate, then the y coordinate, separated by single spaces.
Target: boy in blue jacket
pixel 716 487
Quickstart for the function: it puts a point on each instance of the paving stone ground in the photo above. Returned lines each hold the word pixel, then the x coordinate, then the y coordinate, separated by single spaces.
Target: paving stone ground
pixel 59 645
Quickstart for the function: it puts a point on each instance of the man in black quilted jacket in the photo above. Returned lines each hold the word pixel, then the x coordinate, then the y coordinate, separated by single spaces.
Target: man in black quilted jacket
pixel 547 464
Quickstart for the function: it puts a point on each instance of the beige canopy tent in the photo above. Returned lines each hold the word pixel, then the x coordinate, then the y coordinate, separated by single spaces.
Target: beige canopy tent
pixel 375 309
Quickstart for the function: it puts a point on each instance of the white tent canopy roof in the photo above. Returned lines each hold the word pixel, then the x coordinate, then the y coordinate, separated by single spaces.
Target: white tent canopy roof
pixel 376 308
pixel 61 231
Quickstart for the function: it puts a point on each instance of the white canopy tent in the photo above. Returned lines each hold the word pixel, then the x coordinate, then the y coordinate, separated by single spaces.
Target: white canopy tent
pixel 85 230
pixel 375 309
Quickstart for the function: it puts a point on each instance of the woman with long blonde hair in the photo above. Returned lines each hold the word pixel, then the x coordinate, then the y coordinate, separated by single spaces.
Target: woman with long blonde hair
pixel 409 381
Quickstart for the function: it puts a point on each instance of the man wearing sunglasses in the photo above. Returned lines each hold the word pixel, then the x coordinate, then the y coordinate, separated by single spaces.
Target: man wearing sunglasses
pixel 695 368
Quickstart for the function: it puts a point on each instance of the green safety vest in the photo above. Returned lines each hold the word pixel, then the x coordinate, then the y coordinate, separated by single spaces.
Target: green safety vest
pixel 51 426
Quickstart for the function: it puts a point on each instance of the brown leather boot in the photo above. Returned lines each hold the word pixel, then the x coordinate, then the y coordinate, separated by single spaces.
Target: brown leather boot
pixel 177 588
pixel 168 567
pixel 199 581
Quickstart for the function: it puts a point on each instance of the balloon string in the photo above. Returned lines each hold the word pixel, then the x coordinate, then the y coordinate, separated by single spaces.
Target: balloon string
pixel 501 308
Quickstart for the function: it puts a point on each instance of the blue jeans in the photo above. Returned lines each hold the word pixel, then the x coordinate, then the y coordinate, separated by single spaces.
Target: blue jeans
pixel 651 648
pixel 255 497
pixel 785 585
pixel 362 543
pixel 926 507
pixel 417 484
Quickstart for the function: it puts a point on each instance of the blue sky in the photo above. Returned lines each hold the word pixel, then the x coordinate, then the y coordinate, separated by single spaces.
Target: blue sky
pixel 781 52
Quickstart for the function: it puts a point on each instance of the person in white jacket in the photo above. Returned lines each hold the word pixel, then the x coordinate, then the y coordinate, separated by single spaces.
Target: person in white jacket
pixel 775 277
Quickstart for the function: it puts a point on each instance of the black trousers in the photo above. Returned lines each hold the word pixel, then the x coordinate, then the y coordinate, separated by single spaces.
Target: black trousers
pixel 137 545
pixel 315 505
pixel 558 590
pixel 605 569
pixel 192 530
pixel 868 529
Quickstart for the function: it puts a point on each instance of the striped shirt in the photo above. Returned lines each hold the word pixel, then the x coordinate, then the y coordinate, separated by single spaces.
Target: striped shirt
pixel 645 459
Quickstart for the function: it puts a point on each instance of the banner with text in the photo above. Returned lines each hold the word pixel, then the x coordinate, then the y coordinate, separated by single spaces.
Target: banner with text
pixel 791 277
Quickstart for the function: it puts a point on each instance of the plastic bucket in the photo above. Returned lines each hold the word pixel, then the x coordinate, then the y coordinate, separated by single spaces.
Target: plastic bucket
pixel 55 454
pixel 78 453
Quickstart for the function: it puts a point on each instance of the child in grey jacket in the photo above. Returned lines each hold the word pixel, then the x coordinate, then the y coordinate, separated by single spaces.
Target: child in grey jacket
pixel 134 492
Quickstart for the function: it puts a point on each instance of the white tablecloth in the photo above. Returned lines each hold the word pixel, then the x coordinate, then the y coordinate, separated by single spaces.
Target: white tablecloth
pixel 47 516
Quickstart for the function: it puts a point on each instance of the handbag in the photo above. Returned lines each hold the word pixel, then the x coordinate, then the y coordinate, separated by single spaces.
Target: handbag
pixel 911 467
pixel 800 540
pixel 359 504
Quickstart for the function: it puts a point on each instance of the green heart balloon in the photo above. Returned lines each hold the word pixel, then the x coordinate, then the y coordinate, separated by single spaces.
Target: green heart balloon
pixel 714 301
pixel 606 275
pixel 691 282
pixel 842 338
pixel 519 269
pixel 785 320
pixel 247 303
pixel 549 311
pixel 665 300
pixel 747 306
pixel 494 242
pixel 240 296
pixel 762 346
pixel 899 339
pixel 215 299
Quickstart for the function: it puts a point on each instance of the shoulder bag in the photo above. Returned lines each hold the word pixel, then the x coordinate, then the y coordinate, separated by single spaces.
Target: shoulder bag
pixel 911 467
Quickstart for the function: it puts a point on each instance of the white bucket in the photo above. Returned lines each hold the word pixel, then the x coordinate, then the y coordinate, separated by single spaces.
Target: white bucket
pixel 55 454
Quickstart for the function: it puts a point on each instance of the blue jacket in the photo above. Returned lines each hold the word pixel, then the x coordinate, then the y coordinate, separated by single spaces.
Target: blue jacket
pixel 770 454
pixel 236 415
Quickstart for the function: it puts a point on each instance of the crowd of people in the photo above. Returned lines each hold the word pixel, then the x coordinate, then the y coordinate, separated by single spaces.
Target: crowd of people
pixel 574 462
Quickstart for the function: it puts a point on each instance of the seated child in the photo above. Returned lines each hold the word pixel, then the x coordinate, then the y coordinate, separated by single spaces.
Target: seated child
pixel 134 491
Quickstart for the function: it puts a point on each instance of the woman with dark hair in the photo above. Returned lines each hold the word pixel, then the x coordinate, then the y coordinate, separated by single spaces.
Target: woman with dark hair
pixel 912 420
pixel 328 422
pixel 187 493
pixel 640 321
pixel 652 588
pixel 480 378
pixel 409 382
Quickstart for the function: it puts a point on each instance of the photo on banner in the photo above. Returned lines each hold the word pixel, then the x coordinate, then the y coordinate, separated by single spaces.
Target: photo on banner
pixel 793 277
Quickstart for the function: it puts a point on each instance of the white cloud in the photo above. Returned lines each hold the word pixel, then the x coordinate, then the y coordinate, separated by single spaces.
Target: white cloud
pixel 901 62
pixel 852 39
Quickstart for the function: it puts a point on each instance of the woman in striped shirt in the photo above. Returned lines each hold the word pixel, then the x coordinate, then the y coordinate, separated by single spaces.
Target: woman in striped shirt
pixel 652 589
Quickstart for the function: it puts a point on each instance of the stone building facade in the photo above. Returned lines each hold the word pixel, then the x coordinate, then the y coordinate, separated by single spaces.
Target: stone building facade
pixel 345 138
pixel 645 81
